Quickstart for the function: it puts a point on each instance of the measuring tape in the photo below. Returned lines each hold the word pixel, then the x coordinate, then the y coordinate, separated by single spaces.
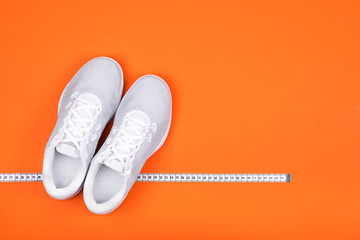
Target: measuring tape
pixel 171 177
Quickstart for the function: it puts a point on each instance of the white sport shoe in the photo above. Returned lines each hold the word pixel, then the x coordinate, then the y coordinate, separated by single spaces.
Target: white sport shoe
pixel 87 103
pixel 140 127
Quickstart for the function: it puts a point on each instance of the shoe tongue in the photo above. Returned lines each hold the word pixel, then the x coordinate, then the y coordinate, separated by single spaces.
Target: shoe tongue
pixel 115 165
pixel 68 149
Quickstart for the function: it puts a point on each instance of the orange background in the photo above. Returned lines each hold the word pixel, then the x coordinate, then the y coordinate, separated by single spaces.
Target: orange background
pixel 270 87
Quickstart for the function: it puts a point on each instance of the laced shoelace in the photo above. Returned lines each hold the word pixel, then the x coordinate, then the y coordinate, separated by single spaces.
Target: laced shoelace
pixel 78 126
pixel 127 140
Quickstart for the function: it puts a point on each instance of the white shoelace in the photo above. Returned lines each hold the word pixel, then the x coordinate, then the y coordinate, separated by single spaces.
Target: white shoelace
pixel 127 140
pixel 80 119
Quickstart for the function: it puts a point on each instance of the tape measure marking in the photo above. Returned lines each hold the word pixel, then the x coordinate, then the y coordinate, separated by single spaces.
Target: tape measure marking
pixel 171 177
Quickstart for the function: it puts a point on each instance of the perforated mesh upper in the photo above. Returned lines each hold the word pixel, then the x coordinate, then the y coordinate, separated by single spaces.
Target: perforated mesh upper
pixel 151 95
pixel 101 77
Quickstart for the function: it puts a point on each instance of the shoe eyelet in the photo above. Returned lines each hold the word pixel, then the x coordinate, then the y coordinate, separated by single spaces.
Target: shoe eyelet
pixel 153 127
pixel 93 137
pixel 97 126
pixel 68 106
pixel 149 137
pixel 75 95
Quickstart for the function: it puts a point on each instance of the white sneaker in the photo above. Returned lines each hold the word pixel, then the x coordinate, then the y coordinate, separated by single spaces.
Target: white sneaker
pixel 140 127
pixel 87 103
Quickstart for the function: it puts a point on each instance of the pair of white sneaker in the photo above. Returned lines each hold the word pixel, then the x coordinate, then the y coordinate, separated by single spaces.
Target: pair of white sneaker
pixel 89 101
